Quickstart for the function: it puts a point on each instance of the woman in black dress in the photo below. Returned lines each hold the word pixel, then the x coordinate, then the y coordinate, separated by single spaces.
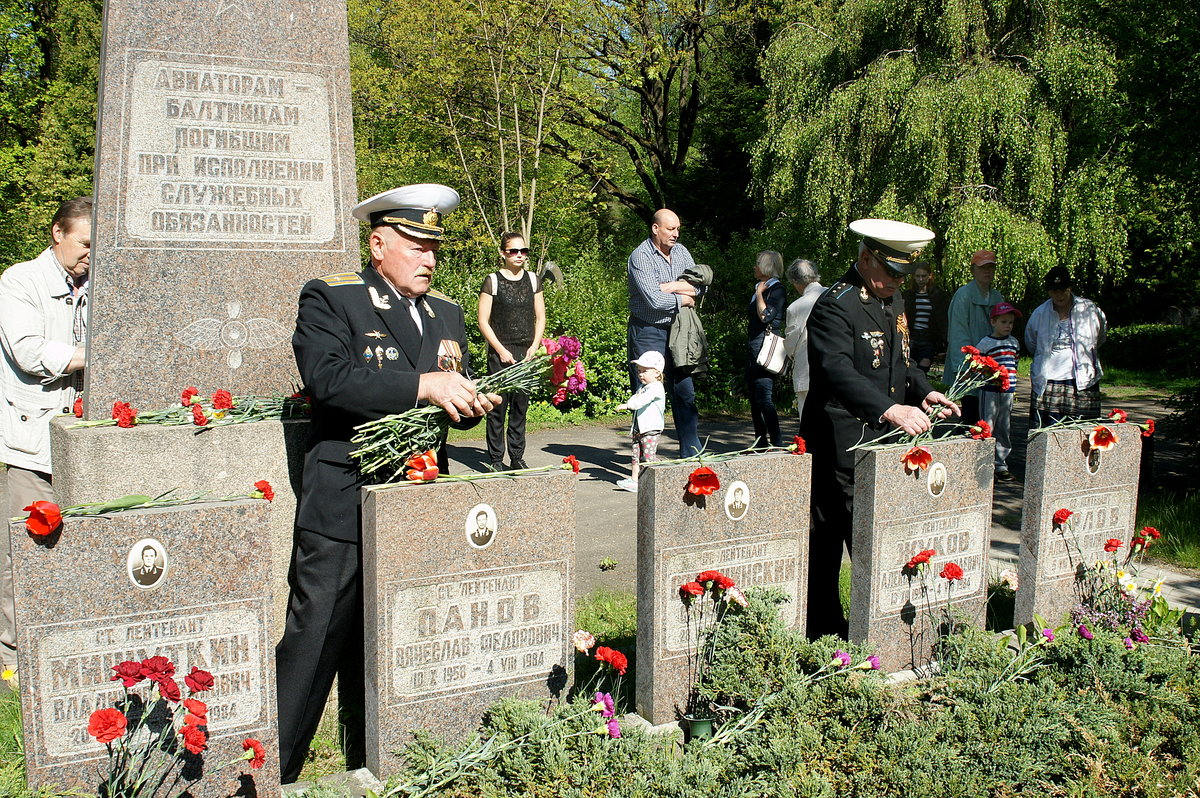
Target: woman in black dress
pixel 512 318
pixel 766 312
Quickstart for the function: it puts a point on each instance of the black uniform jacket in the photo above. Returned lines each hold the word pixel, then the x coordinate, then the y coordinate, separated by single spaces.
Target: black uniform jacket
pixel 360 357
pixel 860 367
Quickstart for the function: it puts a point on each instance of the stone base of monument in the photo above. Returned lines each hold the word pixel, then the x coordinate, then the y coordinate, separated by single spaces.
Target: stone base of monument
pixel 101 463
pixel 1099 488
pixel 946 507
pixel 754 529
pixel 175 582
pixel 468 599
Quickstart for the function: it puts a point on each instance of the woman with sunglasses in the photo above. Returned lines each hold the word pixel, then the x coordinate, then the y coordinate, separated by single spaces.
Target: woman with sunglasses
pixel 512 318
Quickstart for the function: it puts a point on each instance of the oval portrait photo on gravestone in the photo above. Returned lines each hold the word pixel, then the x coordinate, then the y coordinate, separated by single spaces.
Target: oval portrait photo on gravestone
pixel 481 526
pixel 737 500
pixel 936 479
pixel 1093 461
pixel 147 563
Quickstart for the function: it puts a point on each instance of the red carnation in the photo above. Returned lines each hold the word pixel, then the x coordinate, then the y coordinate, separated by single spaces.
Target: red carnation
pixel 1118 415
pixel 920 559
pixel 197 710
pixel 107 724
pixel 198 417
pixel 198 681
pixel 259 756
pixel 168 689
pixel 194 740
pixel 264 487
pixel 981 431
pixel 703 482
pixel 129 672
pixel 44 518
pixel 970 350
pixel 1147 428
pixel 186 397
pixel 124 413
pixel 156 667
pixel 222 400
pixel 690 590
pixel 798 446
pixel 1112 544
pixel 571 461
pixel 1150 531
pixel 77 408
pixel 616 659
pixel 719 580
pixel 1061 516
pixel 1137 544
pixel 951 572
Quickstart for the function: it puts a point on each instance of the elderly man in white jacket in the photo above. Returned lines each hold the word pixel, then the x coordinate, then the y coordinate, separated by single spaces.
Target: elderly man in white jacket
pixel 804 276
pixel 42 335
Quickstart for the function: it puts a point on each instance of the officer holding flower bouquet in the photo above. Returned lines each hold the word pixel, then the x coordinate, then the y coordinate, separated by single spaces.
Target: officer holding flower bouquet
pixel 863 385
pixel 368 344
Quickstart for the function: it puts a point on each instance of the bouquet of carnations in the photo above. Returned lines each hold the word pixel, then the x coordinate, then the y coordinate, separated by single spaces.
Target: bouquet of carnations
pixel 386 445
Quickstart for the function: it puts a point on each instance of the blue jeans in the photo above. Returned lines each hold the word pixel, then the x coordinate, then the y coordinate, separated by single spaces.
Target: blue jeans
pixel 653 338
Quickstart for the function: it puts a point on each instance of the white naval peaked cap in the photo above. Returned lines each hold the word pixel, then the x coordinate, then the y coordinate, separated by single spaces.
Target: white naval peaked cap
pixel 899 243
pixel 416 209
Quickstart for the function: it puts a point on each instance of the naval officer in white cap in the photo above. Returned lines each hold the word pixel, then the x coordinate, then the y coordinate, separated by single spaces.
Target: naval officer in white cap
pixel 367 344
pixel 863 385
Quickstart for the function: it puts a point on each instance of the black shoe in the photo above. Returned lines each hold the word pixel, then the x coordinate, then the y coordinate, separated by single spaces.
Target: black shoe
pixel 496 465
pixel 1005 476
pixel 518 464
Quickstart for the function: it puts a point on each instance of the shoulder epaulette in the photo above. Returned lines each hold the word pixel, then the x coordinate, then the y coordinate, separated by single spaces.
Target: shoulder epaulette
pixel 439 295
pixel 839 290
pixel 342 278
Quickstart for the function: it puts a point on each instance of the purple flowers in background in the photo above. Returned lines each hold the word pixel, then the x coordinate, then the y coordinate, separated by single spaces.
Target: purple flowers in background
pixel 843 657
pixel 1084 633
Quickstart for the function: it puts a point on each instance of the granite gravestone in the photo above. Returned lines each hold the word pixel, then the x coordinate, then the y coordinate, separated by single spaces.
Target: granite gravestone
pixel 467 598
pixel 160 582
pixel 754 529
pixel 1100 488
pixel 946 507
pixel 224 177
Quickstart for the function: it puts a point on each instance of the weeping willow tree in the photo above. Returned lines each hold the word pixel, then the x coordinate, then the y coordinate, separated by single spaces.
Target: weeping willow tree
pixel 993 122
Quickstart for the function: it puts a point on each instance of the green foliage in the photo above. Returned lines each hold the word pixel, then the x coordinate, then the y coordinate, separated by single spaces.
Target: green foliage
pixel 1174 347
pixel 1177 516
pixel 988 122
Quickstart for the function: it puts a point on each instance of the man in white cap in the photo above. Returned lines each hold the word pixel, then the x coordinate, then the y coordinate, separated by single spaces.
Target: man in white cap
pixel 863 384
pixel 367 344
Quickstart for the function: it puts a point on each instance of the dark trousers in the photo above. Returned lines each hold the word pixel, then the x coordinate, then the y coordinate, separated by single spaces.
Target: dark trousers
pixel 323 637
pixel 644 337
pixel 970 409
pixel 832 526
pixel 760 384
pixel 516 407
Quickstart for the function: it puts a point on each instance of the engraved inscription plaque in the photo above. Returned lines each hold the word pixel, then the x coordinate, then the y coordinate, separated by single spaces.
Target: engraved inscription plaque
pixel 954 536
pixel 224 151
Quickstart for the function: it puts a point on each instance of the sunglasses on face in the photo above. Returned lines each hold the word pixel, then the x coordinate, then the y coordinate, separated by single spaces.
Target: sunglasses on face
pixel 887 266
pixel 516 251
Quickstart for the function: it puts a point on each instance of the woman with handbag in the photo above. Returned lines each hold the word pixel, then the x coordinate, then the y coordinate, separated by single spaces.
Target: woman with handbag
pixel 766 314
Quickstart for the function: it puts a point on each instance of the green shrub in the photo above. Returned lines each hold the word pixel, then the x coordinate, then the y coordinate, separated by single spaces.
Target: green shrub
pixel 1165 348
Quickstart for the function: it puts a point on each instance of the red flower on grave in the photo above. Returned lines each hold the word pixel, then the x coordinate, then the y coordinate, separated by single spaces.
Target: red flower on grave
pixel 198 681
pixel 1112 544
pixel 951 571
pixel 256 753
pixel 916 459
pixel 129 672
pixel 1118 415
pixel 703 482
pixel 616 659
pixel 77 408
pixel 197 712
pixel 719 580
pixel 198 417
pixel 124 413
pixel 422 467
pixel 572 462
pixel 263 490
pixel 107 724
pixel 1102 438
pixel 168 689
pixel 798 445
pixel 689 591
pixel 44 518
pixel 222 400
pixel 194 740
pixel 1147 428
pixel 158 668
pixel 970 350
pixel 185 398
pixel 981 430
pixel 920 559
pixel 1061 516
pixel 1151 532
pixel 1137 544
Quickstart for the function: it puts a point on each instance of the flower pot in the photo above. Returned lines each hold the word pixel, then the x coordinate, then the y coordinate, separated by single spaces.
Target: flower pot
pixel 696 728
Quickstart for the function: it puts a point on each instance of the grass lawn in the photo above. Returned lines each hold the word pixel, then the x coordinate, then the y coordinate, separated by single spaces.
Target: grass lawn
pixel 1177 516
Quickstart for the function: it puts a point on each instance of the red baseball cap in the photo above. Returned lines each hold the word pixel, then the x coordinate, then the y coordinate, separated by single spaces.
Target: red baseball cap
pixel 1006 307
pixel 983 256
